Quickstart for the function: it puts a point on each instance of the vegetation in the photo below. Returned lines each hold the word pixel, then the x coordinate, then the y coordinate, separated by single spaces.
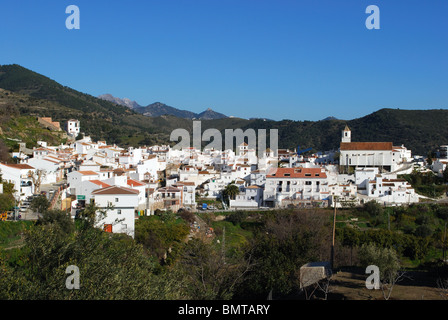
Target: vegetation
pixel 427 183
pixel 249 254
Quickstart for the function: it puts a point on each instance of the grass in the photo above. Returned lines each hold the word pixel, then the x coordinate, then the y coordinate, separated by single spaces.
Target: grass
pixel 27 129
pixel 235 236
pixel 10 232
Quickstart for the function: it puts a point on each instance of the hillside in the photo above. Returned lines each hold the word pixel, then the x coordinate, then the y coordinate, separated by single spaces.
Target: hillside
pixel 210 114
pixel 37 95
pixel 18 126
pixel 99 118
pixel 158 109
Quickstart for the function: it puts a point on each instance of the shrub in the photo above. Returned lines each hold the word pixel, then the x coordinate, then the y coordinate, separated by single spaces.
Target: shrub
pixel 237 217
pixel 386 259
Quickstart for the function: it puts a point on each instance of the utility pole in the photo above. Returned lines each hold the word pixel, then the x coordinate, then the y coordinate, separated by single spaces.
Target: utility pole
pixel 388 220
pixel 444 244
pixel 147 198
pixel 334 233
pixel 223 248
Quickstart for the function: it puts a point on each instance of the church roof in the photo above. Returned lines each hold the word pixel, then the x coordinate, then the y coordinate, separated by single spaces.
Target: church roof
pixel 366 146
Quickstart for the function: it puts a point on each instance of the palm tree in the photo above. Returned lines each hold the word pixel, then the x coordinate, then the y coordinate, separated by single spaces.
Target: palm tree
pixel 229 192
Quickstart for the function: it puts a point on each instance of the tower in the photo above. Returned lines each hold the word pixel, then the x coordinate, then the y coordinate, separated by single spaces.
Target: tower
pixel 346 134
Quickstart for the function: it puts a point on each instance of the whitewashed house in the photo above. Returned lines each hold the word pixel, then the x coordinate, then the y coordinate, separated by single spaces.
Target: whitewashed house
pixel 388 191
pixel 295 184
pixel 73 127
pixel 19 175
pixel 188 194
pixel 75 179
pixel 123 203
pixel 87 187
pixel 438 166
pixel 250 197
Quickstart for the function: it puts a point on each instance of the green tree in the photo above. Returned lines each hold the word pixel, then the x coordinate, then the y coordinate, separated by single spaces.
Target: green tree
pixel 162 238
pixel 209 275
pixel 8 188
pixel 286 241
pixel 40 204
pixel 386 259
pixel 6 202
pixel 373 208
pixel 445 174
pixel 111 266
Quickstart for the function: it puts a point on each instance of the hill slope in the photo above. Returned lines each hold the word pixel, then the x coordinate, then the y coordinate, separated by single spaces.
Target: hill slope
pixel 158 109
pixel 37 95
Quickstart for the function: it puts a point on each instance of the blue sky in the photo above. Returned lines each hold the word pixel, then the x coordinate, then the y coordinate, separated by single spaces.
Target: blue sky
pixel 299 60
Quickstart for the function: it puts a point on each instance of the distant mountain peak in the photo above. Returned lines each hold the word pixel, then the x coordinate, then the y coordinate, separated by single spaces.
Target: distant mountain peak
pixel 158 108
pixel 209 114
pixel 329 118
pixel 123 102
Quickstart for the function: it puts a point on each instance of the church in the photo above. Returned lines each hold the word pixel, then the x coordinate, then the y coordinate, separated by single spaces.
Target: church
pixel 382 155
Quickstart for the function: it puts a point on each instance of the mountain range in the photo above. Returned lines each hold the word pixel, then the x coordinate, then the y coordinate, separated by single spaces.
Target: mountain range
pixel 26 95
pixel 158 109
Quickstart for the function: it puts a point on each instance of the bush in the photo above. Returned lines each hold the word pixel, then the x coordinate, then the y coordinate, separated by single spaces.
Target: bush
pixel 442 213
pixel 373 208
pixel 237 217
pixel 186 215
pixel 386 259
pixel 423 231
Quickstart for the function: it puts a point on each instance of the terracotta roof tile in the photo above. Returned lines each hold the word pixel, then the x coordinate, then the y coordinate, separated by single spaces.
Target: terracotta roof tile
pixel 297 173
pixel 114 190
pixel 100 183
pixel 88 173
pixel 366 146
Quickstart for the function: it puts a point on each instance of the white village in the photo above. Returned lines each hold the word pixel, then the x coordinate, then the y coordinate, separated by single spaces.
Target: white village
pixel 138 181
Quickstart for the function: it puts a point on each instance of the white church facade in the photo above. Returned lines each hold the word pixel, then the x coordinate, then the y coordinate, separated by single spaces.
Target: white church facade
pixel 383 155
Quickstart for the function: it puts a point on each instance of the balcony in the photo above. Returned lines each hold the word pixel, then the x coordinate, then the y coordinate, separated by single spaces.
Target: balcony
pixel 26 184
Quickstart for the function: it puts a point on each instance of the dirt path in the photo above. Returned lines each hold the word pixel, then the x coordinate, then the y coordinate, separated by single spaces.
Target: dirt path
pixel 352 286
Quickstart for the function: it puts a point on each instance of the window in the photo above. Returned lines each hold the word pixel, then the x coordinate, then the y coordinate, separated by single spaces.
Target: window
pixel 307 183
pixel 119 211
pixel 116 199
